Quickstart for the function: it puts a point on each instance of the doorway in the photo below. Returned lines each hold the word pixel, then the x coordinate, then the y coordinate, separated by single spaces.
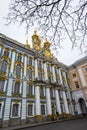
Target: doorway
pixel 82 106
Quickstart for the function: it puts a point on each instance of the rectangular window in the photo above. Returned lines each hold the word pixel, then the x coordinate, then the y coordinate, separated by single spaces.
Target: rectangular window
pixel 76 84
pixel 15 110
pixel 42 109
pixel 1 85
pixel 6 53
pixel 30 73
pixel 29 90
pixel 41 91
pixel 51 92
pixel 30 109
pixel 17 88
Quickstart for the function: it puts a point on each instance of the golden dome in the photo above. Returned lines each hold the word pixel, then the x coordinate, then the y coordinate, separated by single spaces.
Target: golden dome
pixel 46 43
pixel 34 35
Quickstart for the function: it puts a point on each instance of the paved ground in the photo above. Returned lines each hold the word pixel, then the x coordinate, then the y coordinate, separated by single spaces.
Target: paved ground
pixel 77 124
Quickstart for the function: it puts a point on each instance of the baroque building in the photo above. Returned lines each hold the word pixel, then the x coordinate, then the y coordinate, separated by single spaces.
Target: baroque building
pixel 33 83
pixel 78 83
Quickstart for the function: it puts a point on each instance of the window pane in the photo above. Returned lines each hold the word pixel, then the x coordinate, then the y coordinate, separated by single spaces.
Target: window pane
pixel 19 58
pixel 30 110
pixel 17 88
pixel 76 84
pixel 15 110
pixel 51 92
pixel 4 66
pixel 18 70
pixel 29 90
pixel 30 61
pixel 40 75
pixel 41 91
pixel 6 53
pixel 1 85
pixel 30 73
pixel 42 109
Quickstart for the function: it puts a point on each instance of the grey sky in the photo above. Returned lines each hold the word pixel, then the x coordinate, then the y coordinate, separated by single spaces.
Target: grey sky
pixel 65 55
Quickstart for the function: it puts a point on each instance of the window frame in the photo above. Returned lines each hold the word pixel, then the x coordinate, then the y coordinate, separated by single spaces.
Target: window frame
pixel 44 109
pixel 19 88
pixel 19 110
pixel 32 109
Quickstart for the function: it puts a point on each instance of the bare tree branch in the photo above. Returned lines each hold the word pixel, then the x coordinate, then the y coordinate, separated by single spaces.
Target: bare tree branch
pixel 55 18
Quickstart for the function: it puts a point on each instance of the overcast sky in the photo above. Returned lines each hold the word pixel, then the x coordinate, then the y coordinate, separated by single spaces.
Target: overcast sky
pixel 16 32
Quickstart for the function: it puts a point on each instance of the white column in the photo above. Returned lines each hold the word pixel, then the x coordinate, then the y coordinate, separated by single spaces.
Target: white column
pixel 7 109
pixel 13 60
pixel 57 101
pixel 24 107
pixel 9 89
pixel 82 77
pixel 23 115
pixel 54 75
pixel 49 110
pixel 25 65
pixel 36 69
pixel 65 102
pixel 37 100
pixel 45 70
pixel 61 81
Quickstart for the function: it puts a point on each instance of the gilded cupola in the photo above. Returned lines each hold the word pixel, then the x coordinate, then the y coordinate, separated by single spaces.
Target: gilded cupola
pixel 47 52
pixel 36 41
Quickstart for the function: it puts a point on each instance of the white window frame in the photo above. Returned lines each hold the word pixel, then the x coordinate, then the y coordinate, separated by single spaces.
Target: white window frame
pixel 20 87
pixel 2 104
pixel 19 109
pixel 45 108
pixel 32 110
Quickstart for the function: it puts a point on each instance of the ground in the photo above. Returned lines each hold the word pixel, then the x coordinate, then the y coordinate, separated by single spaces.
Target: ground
pixel 77 124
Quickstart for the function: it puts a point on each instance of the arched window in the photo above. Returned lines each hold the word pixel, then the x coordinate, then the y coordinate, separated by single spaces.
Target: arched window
pixel 30 73
pixel 18 70
pixel 4 66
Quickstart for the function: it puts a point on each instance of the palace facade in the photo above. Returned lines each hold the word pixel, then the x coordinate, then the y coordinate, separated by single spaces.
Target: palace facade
pixel 33 83
pixel 78 84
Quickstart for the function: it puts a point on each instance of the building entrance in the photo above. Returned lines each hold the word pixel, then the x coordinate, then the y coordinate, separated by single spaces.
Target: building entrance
pixel 82 106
